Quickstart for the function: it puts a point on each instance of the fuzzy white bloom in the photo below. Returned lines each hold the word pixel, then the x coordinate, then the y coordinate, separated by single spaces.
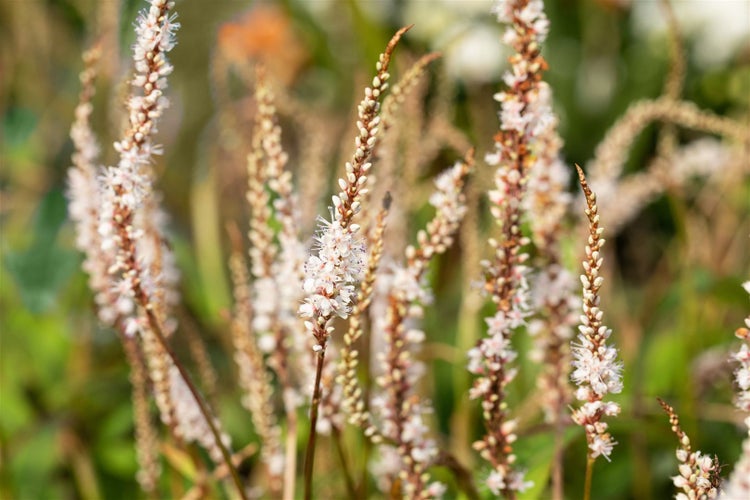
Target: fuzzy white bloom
pixel 130 222
pixel 84 203
pixel 597 372
pixel 596 366
pixel 555 286
pixel 737 486
pixel 497 481
pixel 742 377
pixel 265 303
pixel 331 275
pixel 386 466
pixel 742 358
pixel 531 15
pixel 494 351
pixel 408 287
pixel 155 29
pixel 697 472
pixel 448 199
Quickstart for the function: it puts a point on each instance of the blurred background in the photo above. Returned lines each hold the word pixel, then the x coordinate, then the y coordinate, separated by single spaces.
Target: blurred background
pixel 673 301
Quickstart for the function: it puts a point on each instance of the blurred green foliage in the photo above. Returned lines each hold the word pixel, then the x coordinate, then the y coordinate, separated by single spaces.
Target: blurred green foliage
pixel 65 411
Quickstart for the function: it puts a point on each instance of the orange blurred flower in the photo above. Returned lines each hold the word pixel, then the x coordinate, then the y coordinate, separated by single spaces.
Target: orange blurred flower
pixel 264 34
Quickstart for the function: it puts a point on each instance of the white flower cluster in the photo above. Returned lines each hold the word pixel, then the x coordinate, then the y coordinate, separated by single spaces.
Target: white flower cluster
pixel 696 472
pixel 330 276
pixel 403 284
pixel 129 216
pixel 738 485
pixel 450 205
pixel 531 15
pixel 555 285
pixel 597 372
pixel 155 30
pixel 548 198
pixel 742 377
pixel 84 200
pixel 527 113
pixel 388 466
pixel 447 197
pixel 498 481
pixel 494 351
pixel 742 373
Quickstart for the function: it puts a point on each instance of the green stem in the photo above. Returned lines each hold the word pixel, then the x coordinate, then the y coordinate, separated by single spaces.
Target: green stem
pixel 291 455
pixel 310 452
pixel 557 463
pixel 350 488
pixel 589 475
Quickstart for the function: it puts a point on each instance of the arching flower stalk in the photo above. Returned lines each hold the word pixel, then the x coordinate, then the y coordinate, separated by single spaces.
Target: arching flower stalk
pixel 597 372
pixel 339 257
pixel 606 168
pixel 403 87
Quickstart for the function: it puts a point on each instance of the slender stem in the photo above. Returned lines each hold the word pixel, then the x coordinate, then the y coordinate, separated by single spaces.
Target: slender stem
pixel 557 463
pixel 156 328
pixel 589 474
pixel 351 490
pixel 291 455
pixel 463 476
pixel 310 452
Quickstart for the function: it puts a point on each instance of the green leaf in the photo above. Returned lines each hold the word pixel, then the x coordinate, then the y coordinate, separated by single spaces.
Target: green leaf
pixel 537 453
pixel 43 268
pixel 34 462
pixel 665 356
pixel 18 124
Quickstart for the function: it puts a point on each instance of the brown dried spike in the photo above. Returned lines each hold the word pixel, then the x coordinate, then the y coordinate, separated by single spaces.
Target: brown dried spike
pixel 392 46
pixel 584 184
pixel 674 421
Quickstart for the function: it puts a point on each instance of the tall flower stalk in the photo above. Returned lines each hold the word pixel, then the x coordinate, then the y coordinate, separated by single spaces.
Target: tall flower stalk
pixel 252 375
pixel 139 266
pixel 553 297
pixel 401 410
pixel 276 262
pixel 523 114
pixel 338 262
pixel 597 372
